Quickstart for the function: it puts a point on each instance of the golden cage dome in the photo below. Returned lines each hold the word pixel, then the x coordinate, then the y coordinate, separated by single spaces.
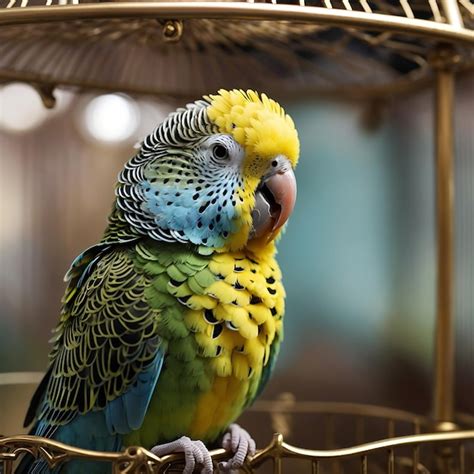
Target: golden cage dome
pixel 185 49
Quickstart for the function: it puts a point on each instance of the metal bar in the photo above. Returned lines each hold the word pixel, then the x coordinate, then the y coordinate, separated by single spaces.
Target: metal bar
pixel 363 465
pixel 277 465
pixel 347 5
pixel 237 11
pixel 468 6
pixel 315 467
pixel 452 13
pixel 444 338
pixel 391 462
pixel 415 458
pixel 407 9
pixel 435 9
pixel 365 6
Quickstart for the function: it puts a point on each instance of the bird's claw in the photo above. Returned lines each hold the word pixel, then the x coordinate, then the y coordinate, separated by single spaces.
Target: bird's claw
pixel 240 443
pixel 194 453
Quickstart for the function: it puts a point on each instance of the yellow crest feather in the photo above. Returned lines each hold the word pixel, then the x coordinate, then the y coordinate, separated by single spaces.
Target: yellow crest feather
pixel 258 123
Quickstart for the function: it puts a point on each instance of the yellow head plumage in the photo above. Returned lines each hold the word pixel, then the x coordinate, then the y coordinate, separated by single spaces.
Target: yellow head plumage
pixel 258 123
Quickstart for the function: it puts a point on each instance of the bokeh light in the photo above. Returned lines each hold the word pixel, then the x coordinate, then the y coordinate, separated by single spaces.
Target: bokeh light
pixel 111 118
pixel 21 109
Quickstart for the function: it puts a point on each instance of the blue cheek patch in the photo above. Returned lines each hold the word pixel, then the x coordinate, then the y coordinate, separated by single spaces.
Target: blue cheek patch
pixel 202 219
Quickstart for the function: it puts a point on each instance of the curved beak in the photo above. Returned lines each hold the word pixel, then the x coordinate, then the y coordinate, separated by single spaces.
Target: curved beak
pixel 274 202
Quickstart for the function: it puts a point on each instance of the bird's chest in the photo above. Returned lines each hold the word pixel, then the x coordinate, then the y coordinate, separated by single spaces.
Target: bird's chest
pixel 219 334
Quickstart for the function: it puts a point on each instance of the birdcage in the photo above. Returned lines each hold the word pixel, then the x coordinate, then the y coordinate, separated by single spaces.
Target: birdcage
pixel 197 47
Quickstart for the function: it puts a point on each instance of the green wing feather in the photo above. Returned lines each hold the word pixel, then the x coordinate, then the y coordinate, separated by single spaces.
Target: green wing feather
pixel 106 337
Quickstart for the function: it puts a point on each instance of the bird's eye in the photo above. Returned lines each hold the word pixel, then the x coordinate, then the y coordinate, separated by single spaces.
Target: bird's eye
pixel 220 152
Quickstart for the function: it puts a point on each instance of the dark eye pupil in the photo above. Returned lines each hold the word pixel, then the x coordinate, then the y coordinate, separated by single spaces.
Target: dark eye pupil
pixel 220 151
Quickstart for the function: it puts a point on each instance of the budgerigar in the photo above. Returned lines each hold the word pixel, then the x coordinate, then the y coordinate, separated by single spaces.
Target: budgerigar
pixel 171 324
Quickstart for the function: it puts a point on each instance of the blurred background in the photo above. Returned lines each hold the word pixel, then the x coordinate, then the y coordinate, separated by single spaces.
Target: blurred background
pixel 357 257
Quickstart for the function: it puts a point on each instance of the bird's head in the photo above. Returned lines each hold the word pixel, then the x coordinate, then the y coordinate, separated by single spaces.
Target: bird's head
pixel 218 173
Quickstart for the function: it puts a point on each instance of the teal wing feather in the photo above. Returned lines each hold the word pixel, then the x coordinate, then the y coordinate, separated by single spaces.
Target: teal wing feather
pixel 107 354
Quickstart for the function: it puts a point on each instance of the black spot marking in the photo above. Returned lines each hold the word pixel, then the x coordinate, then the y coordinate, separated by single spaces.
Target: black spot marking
pixel 271 291
pixel 204 207
pixel 209 316
pixel 216 331
pixel 174 283
pixel 238 269
pixel 273 311
pixel 238 286
pixel 270 280
pixel 196 196
pixel 165 180
pixel 255 300
pixel 218 350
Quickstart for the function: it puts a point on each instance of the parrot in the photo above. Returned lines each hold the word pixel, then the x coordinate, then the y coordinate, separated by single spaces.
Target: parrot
pixel 170 325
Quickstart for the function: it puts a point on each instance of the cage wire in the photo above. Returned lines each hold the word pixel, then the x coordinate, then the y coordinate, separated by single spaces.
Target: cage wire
pixel 185 49
pixel 367 49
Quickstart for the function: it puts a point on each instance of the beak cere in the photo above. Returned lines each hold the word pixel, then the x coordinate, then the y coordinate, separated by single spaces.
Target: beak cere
pixel 274 202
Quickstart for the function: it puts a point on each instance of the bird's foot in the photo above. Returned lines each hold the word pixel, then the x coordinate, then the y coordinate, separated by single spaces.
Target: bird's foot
pixel 237 440
pixel 194 453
